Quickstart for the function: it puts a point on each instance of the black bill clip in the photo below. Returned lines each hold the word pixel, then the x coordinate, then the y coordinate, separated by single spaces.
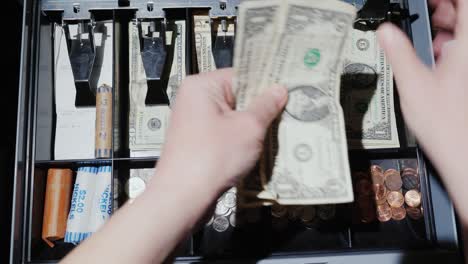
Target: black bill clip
pixel 376 12
pixel 153 54
pixel 223 46
pixel 82 54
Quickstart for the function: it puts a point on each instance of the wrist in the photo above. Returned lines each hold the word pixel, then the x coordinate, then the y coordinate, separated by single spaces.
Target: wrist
pixel 194 175
pixel 189 195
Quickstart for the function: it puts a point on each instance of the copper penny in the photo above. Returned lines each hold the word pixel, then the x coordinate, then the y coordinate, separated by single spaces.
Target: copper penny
pixel 378 178
pixel 413 198
pixel 364 187
pixel 384 212
pixel 380 193
pixel 395 199
pixel 414 213
pixel 390 171
pixel 410 170
pixel 393 180
pixel 376 168
pixel 398 213
pixel 410 180
pixel 377 174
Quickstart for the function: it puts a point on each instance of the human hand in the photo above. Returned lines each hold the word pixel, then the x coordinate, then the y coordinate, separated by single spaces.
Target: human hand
pixel 435 101
pixel 208 143
pixel 443 20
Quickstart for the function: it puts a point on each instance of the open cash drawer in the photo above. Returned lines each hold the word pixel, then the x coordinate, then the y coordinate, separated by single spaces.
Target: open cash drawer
pixel 345 233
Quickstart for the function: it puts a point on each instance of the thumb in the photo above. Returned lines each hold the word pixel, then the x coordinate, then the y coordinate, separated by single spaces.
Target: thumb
pixel 267 106
pixel 409 71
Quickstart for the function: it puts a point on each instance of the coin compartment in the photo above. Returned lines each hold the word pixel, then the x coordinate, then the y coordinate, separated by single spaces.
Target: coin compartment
pixel 37 249
pixel 121 175
pixel 407 233
pixel 218 238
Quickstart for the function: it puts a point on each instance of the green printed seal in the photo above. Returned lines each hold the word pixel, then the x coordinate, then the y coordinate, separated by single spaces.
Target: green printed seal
pixel 312 58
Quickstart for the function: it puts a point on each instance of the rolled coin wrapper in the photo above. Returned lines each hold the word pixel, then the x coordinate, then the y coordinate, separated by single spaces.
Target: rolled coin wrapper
pixel 103 138
pixel 57 204
pixel 78 227
pixel 102 201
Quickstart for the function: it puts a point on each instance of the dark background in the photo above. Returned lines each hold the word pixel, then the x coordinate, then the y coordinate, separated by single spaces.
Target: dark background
pixel 10 57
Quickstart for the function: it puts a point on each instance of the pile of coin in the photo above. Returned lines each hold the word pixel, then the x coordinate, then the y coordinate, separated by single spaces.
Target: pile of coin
pixel 388 195
pixel 225 212
pixel 136 183
pixel 308 215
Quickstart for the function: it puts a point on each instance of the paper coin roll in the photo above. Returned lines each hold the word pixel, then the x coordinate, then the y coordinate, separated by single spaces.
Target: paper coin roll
pixel 57 204
pixel 103 138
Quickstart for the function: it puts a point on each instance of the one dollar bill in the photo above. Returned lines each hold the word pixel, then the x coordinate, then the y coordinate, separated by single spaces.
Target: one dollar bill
pixel 367 94
pixel 305 160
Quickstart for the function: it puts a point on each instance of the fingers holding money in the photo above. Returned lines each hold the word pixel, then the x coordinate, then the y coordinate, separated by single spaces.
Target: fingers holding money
pixel 214 87
pixel 266 107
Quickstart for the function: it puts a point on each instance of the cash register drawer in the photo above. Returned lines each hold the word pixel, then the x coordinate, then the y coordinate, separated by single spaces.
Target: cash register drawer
pixel 263 236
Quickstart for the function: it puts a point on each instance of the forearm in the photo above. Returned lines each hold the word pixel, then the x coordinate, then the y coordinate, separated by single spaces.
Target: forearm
pixel 148 229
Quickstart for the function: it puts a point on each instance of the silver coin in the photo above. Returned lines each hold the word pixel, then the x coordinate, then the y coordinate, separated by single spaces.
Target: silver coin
pixel 229 199
pixel 221 209
pixel 210 221
pixel 134 187
pixel 232 219
pixel 220 198
pixel 144 174
pixel 220 223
